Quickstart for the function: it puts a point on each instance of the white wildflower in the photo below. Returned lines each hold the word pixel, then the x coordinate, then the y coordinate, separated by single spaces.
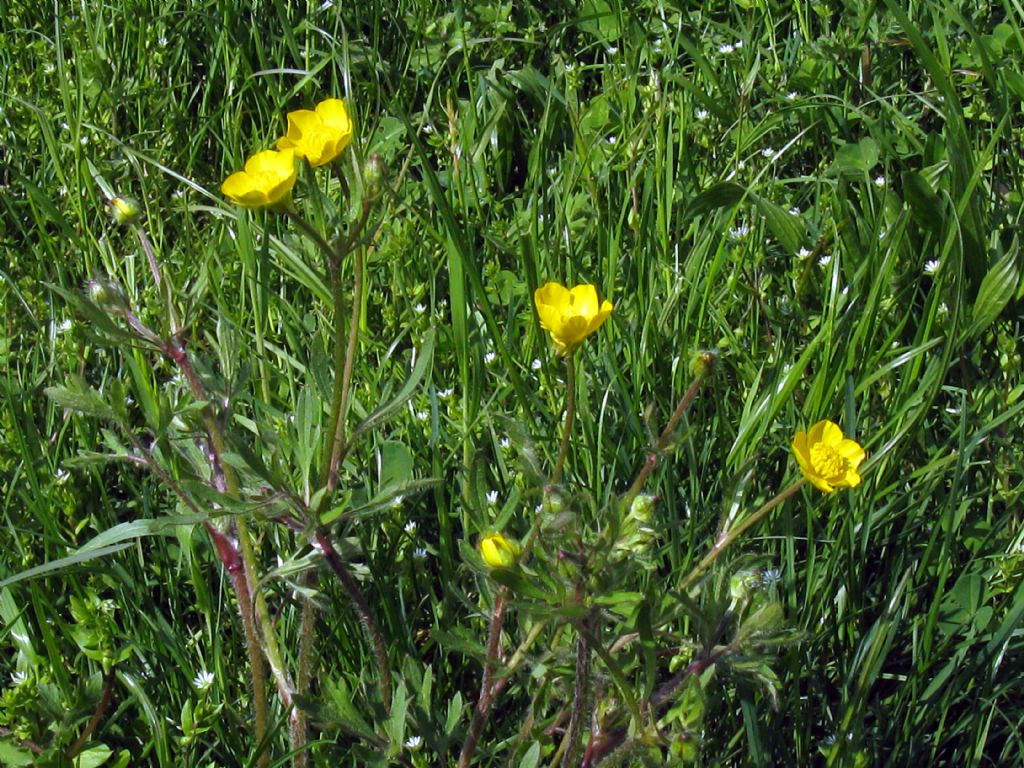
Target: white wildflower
pixel 203 680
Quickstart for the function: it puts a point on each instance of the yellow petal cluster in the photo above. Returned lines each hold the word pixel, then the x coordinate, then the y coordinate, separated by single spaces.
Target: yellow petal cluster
pixel 827 458
pixel 320 135
pixel 570 315
pixel 268 179
pixel 499 552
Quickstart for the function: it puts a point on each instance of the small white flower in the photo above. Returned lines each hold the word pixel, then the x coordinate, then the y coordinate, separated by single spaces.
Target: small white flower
pixel 741 164
pixel 203 680
pixel 701 114
pixel 64 326
pixel 410 527
pixel 420 553
pixel 803 253
pixel 791 96
pixel 931 266
pixel 65 127
pixel 444 394
pixel 740 232
pixel 879 181
pixel 768 152
pixel 612 50
pixel 83 140
pixel 794 211
pixel 49 69
pixel 726 48
pixel 490 358
pixel 19 677
pixel 422 415
pixel 505 443
pixel 492 497
pixel 61 476
pixel 825 260
pixel 612 139
pixel 943 309
pixel 413 743
pixel 419 309
pixel 63 191
pixel 536 364
pixel 162 41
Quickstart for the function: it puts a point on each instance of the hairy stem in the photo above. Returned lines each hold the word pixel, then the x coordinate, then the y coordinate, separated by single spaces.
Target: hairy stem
pixel 362 608
pixel 662 442
pixel 488 691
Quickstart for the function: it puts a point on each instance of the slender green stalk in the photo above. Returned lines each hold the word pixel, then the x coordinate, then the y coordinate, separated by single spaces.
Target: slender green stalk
pixel 338 441
pixel 662 442
pixel 307 634
pixel 323 545
pixel 725 538
pixel 570 414
pixel 582 700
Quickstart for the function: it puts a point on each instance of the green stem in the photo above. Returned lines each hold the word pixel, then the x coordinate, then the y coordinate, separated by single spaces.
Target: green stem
pixel 323 545
pixel 726 538
pixel 570 414
pixel 662 442
pixel 346 376
pixel 307 634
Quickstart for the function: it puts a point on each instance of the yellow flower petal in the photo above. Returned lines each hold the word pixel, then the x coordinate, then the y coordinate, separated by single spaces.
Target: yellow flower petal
pixel 318 136
pixel 570 315
pixel 826 458
pixel 499 552
pixel 268 179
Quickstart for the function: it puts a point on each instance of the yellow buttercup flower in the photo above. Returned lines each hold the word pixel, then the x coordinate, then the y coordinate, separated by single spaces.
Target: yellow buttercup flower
pixel 499 552
pixel 321 135
pixel 268 179
pixel 570 315
pixel 827 459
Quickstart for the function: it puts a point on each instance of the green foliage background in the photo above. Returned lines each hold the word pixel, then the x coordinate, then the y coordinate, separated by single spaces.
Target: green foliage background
pixel 827 193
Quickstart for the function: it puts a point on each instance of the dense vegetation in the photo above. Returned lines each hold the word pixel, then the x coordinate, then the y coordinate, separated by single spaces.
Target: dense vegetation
pixel 825 196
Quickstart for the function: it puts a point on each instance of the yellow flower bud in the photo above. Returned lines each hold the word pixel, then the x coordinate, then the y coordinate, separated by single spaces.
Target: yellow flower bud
pixel 125 210
pixel 499 552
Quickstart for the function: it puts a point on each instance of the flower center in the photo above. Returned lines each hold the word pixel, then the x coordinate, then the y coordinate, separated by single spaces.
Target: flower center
pixel 827 462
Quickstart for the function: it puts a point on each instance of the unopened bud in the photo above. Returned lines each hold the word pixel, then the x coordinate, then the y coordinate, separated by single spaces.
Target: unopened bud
pixel 125 210
pixel 499 552
pixel 374 173
pixel 107 294
pixel 642 507
pixel 703 363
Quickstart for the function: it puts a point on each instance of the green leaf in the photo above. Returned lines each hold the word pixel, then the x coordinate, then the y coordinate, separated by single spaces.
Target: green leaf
pixel 532 757
pixel 419 370
pixel 995 292
pixel 160 526
pixel 14 757
pixel 59 565
pixel 79 396
pixel 856 159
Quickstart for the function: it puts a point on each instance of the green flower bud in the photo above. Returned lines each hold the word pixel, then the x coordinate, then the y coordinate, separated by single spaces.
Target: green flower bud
pixel 125 210
pixel 642 507
pixel 107 294
pixel 374 174
pixel 702 364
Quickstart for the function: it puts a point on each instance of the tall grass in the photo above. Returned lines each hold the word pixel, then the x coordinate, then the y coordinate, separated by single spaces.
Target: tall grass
pixel 829 198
